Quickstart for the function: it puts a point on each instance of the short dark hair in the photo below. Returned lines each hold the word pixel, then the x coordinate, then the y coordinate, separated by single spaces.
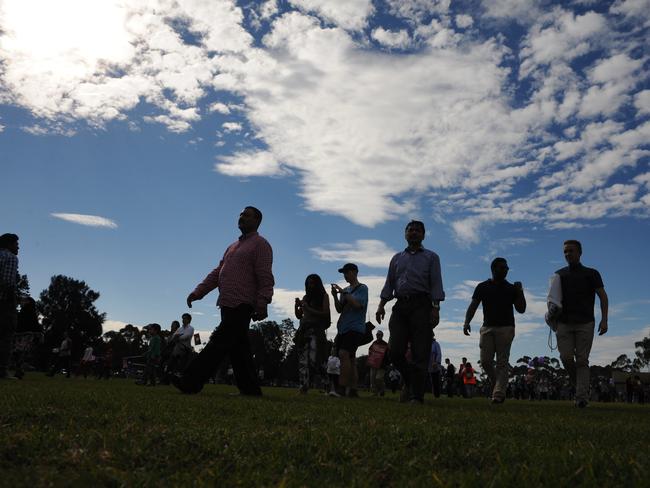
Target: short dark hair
pixel 573 242
pixel 155 327
pixel 187 315
pixel 256 211
pixel 7 239
pixel 416 223
pixel 496 261
pixel 176 323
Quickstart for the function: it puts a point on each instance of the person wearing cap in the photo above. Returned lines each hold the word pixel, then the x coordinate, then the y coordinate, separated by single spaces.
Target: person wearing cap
pixel 415 280
pixel 352 303
pixel 498 297
pixel 377 354
pixel 245 281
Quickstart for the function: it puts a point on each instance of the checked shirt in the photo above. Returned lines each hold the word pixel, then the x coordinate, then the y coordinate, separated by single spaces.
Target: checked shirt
pixel 8 275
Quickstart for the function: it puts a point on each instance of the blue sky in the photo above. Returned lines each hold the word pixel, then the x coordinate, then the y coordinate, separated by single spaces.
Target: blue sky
pixel 131 136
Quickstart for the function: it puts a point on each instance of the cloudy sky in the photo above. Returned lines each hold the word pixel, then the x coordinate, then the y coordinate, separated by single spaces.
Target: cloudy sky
pixel 132 133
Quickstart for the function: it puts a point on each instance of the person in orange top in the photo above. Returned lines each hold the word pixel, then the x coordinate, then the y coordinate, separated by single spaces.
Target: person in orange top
pixel 469 379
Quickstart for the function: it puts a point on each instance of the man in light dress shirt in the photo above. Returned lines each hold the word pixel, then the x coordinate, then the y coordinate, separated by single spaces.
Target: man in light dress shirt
pixel 245 281
pixel 414 278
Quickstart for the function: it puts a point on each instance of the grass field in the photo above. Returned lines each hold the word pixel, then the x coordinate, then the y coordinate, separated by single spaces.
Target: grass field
pixel 75 432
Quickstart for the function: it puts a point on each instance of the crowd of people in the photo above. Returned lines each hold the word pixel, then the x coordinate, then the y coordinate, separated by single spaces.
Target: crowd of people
pixel 245 282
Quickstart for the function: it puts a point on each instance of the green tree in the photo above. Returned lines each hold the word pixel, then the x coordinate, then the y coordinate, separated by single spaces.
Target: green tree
pixel 643 352
pixel 68 305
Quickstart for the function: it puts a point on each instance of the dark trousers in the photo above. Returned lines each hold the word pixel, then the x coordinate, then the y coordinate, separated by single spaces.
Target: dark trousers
pixel 230 338
pixel 410 323
pixel 450 386
pixel 8 320
pixel 436 383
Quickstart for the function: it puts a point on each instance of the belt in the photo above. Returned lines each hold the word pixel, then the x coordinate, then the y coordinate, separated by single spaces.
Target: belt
pixel 413 296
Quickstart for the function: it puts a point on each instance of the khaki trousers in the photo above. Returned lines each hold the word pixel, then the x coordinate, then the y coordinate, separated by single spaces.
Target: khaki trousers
pixel 496 340
pixel 574 344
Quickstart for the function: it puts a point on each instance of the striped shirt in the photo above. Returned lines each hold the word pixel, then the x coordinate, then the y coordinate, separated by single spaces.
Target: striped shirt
pixel 8 275
pixel 244 275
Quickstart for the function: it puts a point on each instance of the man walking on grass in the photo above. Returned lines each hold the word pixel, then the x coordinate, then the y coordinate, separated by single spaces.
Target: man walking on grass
pixel 576 322
pixel 245 281
pixel 8 298
pixel 414 278
pixel 498 297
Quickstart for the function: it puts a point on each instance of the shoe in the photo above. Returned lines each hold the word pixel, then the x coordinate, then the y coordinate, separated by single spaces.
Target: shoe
pixel 582 404
pixel 303 390
pixel 334 394
pixel 497 401
pixel 186 386
pixel 8 377
pixel 352 393
pixel 415 401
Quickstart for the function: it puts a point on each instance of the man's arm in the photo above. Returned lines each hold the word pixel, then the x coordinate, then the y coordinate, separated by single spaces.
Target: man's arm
pixel 9 274
pixel 387 291
pixel 604 309
pixel 435 285
pixel 469 315
pixel 208 284
pixel 265 280
pixel 520 299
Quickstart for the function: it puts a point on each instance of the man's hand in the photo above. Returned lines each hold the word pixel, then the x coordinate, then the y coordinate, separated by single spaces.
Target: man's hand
pixel 435 317
pixel 336 289
pixel 191 298
pixel 467 329
pixel 602 327
pixel 380 314
pixel 518 286
pixel 260 314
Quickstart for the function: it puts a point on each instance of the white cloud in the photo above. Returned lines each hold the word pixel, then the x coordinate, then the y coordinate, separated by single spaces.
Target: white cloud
pixel 464 21
pixel 566 38
pixel 348 14
pixel 260 163
pixel 367 252
pixel 2 127
pixel 523 11
pixel 392 39
pixel 642 102
pixel 608 347
pixel 231 126
pixel 219 107
pixel 417 10
pixel 89 220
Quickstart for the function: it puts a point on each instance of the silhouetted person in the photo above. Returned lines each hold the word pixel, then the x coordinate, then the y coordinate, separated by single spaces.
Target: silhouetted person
pixel 377 356
pixel 8 298
pixel 450 375
pixel 313 311
pixel 498 297
pixel 245 281
pixel 434 367
pixel 575 328
pixel 414 278
pixel 352 303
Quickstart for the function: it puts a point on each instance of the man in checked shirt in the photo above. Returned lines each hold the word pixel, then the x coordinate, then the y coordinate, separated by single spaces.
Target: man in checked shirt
pixel 8 298
pixel 245 281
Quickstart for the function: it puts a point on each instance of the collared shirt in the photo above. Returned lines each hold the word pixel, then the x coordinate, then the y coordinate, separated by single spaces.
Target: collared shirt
pixel 414 272
pixel 185 334
pixel 8 275
pixel 244 275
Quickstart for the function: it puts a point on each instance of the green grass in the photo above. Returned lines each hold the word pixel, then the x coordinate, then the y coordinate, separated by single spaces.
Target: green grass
pixel 79 432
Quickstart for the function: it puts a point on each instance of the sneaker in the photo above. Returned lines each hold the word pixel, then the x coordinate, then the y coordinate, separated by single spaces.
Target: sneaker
pixel 582 404
pixel 8 377
pixel 498 401
pixel 303 390
pixel 415 401
pixel 334 394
